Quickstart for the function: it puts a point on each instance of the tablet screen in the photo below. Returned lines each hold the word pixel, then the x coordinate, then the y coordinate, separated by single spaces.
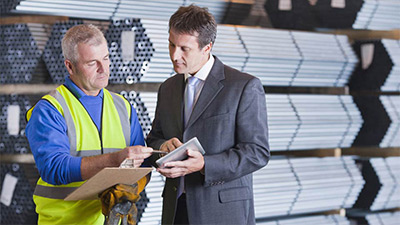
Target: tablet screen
pixel 181 152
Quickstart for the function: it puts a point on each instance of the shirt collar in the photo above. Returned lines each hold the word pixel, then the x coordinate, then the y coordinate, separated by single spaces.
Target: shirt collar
pixel 202 74
pixel 76 90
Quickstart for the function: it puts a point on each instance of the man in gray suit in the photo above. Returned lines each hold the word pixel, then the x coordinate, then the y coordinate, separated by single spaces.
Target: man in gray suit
pixel 226 110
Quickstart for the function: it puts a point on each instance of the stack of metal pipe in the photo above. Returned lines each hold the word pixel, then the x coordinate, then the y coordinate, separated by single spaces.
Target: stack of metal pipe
pixel 135 99
pixel 383 218
pixel 20 54
pixel 310 220
pixel 381 190
pixel 295 186
pixel 7 5
pixel 312 121
pixel 130 50
pixel 302 121
pixel 13 123
pixel 152 213
pixel 392 135
pixel 355 14
pixel 116 9
pixel 378 15
pixel 392 82
pixel 379 69
pixel 278 58
pixel 17 206
pixel 52 55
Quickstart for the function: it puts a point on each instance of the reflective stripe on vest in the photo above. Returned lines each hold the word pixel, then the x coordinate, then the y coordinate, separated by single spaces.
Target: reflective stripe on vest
pixel 84 137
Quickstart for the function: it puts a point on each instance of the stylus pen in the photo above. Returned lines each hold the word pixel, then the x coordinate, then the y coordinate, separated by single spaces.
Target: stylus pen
pixel 159 152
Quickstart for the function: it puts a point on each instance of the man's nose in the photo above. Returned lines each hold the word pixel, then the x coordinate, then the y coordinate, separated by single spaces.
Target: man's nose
pixel 100 67
pixel 175 54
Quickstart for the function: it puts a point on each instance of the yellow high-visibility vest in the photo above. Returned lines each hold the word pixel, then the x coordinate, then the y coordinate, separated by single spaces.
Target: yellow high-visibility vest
pixel 85 140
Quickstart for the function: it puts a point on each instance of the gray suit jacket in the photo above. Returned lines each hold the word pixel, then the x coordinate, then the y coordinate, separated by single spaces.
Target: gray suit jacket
pixel 230 121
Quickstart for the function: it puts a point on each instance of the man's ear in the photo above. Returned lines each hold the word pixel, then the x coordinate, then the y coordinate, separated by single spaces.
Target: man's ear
pixel 207 48
pixel 70 67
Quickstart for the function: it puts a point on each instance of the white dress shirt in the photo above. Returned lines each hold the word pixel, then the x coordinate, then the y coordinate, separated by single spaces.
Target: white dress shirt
pixel 202 75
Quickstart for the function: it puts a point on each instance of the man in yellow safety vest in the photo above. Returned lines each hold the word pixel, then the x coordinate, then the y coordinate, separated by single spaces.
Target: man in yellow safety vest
pixel 80 128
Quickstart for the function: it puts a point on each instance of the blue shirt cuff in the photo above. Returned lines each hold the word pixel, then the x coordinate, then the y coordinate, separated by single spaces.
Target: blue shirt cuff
pixel 75 169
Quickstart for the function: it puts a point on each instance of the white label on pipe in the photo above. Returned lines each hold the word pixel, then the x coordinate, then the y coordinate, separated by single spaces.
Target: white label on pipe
pixel 13 119
pixel 338 4
pixel 8 188
pixel 313 2
pixel 128 45
pixel 285 5
pixel 367 55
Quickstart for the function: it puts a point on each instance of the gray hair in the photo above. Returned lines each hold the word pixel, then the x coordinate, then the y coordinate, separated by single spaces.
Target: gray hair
pixel 83 33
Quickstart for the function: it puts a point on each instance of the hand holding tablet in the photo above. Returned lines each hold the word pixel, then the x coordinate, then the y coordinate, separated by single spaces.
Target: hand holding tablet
pixel 181 152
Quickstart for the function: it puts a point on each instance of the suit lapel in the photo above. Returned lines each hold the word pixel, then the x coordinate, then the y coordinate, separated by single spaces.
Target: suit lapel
pixel 177 101
pixel 211 88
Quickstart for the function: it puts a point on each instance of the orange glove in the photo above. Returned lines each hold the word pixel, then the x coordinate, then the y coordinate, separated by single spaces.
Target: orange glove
pixel 119 201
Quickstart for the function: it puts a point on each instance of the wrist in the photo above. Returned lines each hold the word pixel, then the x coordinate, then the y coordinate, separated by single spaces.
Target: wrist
pixel 119 157
pixel 202 170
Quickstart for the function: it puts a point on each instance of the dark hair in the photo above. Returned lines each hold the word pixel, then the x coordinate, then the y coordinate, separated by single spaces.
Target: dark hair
pixel 193 19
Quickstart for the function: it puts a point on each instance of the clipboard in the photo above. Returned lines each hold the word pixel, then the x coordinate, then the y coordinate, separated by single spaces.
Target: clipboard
pixel 106 178
pixel 180 153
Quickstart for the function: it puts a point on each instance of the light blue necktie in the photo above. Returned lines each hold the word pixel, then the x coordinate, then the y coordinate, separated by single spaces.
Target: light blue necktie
pixel 190 95
pixel 189 98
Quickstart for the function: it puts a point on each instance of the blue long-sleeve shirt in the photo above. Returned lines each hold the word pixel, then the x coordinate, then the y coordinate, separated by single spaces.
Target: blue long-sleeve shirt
pixel 47 135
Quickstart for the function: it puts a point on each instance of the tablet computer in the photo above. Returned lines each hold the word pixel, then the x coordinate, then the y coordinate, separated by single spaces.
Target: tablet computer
pixel 180 153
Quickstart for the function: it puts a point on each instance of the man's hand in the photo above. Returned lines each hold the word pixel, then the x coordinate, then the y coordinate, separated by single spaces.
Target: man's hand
pixel 170 145
pixel 194 163
pixel 93 164
pixel 137 153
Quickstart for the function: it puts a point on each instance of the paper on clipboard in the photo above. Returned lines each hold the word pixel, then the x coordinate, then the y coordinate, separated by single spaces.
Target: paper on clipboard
pixel 106 178
pixel 180 153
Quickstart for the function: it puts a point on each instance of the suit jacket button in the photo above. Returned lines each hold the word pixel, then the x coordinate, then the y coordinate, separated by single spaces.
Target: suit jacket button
pixel 175 189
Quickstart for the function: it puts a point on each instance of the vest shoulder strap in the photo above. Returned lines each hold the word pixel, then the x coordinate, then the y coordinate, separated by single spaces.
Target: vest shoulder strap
pixel 125 101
